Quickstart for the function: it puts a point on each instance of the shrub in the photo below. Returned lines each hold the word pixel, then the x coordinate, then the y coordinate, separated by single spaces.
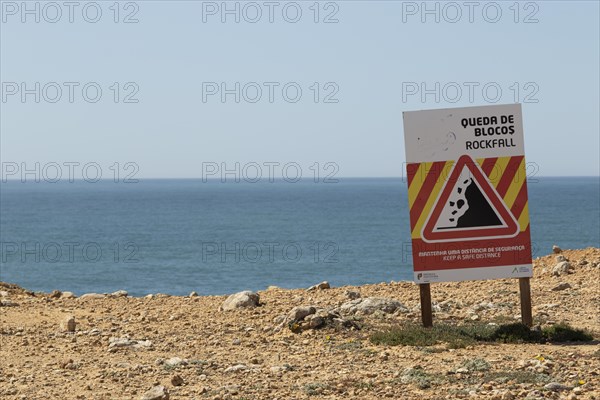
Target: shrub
pixel 460 336
pixel 417 377
pixel 476 364
pixel 564 333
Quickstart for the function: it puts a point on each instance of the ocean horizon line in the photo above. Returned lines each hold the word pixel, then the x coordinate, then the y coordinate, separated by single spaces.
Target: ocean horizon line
pixel 262 180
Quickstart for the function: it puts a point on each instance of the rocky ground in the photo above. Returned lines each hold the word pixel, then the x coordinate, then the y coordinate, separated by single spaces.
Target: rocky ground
pixel 299 344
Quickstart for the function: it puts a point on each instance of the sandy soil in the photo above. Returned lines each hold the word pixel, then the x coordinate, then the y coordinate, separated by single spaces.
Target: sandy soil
pixel 122 347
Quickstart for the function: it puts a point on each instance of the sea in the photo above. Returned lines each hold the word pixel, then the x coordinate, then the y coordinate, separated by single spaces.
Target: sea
pixel 176 236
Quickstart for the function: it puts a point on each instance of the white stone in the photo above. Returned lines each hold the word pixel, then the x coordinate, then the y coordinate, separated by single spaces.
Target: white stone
pixel 91 296
pixel 114 343
pixel 175 362
pixel 299 313
pixel 240 300
pixel 557 387
pixel 369 305
pixel 156 393
pixel 321 286
pixel 561 268
pixel 237 367
pixel 68 324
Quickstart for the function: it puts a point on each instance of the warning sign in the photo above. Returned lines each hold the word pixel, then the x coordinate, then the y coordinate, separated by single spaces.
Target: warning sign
pixel 467 193
pixel 468 208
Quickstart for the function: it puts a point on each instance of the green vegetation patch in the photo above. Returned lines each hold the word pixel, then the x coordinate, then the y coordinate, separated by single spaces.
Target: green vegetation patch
pixel 460 336
pixel 518 377
pixel 315 388
pixel 418 377
pixel 475 364
pixel 564 333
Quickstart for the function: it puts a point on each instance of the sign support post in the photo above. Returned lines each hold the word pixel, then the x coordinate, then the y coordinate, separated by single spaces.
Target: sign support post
pixel 426 314
pixel 524 289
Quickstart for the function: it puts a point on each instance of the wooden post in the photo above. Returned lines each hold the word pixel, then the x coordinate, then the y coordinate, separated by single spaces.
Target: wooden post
pixel 426 314
pixel 524 288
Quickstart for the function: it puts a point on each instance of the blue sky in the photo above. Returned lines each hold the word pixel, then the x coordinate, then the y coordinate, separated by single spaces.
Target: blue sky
pixel 369 67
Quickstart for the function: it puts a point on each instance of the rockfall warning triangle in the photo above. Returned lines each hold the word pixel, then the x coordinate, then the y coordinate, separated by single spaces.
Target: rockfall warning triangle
pixel 468 208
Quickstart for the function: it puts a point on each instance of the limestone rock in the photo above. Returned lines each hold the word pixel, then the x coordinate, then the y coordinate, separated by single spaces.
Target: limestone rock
pixel 235 368
pixel 281 368
pixel 321 286
pixel 156 393
pixel 507 396
pixel 115 343
pixel 91 296
pixel 561 286
pixel 315 321
pixel 176 380
pixel 557 387
pixel 312 318
pixel 7 303
pixel 352 294
pixel 243 299
pixel 369 305
pixel 175 362
pixel 561 268
pixel 68 324
pixel 299 313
